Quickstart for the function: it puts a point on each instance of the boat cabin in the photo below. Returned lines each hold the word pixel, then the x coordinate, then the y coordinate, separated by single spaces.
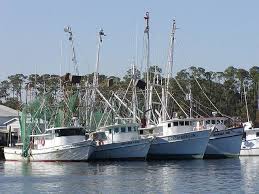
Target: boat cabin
pixel 176 126
pixel 216 123
pixel 58 136
pixel 120 132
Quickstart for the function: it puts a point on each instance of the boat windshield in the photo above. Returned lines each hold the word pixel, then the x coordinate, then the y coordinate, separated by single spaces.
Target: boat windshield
pixel 69 132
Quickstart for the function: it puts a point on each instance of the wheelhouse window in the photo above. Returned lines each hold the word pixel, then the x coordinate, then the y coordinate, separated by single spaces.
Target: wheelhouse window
pixel 181 123
pixel 169 124
pixel 257 134
pixel 207 122
pixel 110 131
pixel 175 123
pixel 69 132
pixel 129 129
pixel 116 130
pixel 218 121
pixel 213 122
pixel 187 123
pixel 123 129
pixel 244 136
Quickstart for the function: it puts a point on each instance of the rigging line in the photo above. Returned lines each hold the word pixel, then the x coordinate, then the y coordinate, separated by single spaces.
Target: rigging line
pixel 210 100
pixel 189 107
pixel 124 94
pixel 196 101
pixel 104 112
pixel 107 117
pixel 177 103
pixel 142 58
pixel 206 95
pixel 163 106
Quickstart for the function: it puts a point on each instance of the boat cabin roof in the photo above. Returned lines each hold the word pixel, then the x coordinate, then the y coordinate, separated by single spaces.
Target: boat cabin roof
pixel 119 126
pixel 213 118
pixel 60 128
pixel 179 119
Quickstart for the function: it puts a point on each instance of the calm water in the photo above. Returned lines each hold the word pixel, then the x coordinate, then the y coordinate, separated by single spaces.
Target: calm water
pixel 194 176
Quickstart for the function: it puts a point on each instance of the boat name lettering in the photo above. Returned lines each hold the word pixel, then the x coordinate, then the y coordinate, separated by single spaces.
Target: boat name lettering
pixel 221 133
pixel 183 136
pixel 130 142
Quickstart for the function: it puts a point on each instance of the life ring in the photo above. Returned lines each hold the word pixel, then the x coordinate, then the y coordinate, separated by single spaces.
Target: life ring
pixel 42 141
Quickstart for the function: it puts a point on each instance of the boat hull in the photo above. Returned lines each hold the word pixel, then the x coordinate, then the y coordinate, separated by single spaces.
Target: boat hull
pixel 224 143
pixel 75 152
pixel 190 145
pixel 130 150
pixel 250 147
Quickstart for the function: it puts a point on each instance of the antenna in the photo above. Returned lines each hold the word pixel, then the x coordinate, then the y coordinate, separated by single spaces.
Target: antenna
pixel 68 30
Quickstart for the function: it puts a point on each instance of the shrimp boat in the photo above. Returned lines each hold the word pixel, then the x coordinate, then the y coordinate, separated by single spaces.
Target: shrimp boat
pixel 250 143
pixel 56 144
pixel 224 142
pixel 177 139
pixel 120 142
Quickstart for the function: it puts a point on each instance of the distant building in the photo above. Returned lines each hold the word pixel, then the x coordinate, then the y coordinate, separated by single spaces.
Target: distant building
pixel 9 125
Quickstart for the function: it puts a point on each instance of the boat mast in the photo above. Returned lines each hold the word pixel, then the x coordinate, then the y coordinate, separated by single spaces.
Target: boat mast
pixel 148 85
pixel 68 29
pixel 100 40
pixel 169 67
pixel 95 79
pixel 257 110
pixel 258 96
pixel 134 94
pixel 190 99
pixel 247 113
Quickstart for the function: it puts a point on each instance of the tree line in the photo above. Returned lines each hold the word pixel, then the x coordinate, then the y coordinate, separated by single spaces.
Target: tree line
pixel 226 89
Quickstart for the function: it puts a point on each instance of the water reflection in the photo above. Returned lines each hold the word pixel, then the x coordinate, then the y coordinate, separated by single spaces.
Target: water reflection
pixel 196 176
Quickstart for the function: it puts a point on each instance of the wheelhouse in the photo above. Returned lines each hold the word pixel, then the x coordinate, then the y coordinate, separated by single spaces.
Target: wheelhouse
pixel 66 131
pixel 121 132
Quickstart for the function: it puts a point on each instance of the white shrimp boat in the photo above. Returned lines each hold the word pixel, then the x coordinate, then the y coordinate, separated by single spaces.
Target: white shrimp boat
pixel 56 144
pixel 177 139
pixel 250 143
pixel 120 142
pixel 224 142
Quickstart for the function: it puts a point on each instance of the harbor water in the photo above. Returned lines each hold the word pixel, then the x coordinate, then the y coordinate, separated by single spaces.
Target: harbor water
pixel 183 176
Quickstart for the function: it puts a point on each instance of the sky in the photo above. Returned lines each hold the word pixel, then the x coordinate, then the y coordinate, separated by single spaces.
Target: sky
pixel 212 34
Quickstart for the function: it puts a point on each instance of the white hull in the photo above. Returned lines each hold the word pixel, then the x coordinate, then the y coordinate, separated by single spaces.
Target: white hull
pixel 129 150
pixel 189 145
pixel 224 143
pixel 250 147
pixel 74 152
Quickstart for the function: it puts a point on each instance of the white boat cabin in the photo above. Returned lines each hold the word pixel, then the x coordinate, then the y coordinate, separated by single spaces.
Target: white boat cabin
pixel 116 133
pixel 250 133
pixel 177 126
pixel 58 136
pixel 214 123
